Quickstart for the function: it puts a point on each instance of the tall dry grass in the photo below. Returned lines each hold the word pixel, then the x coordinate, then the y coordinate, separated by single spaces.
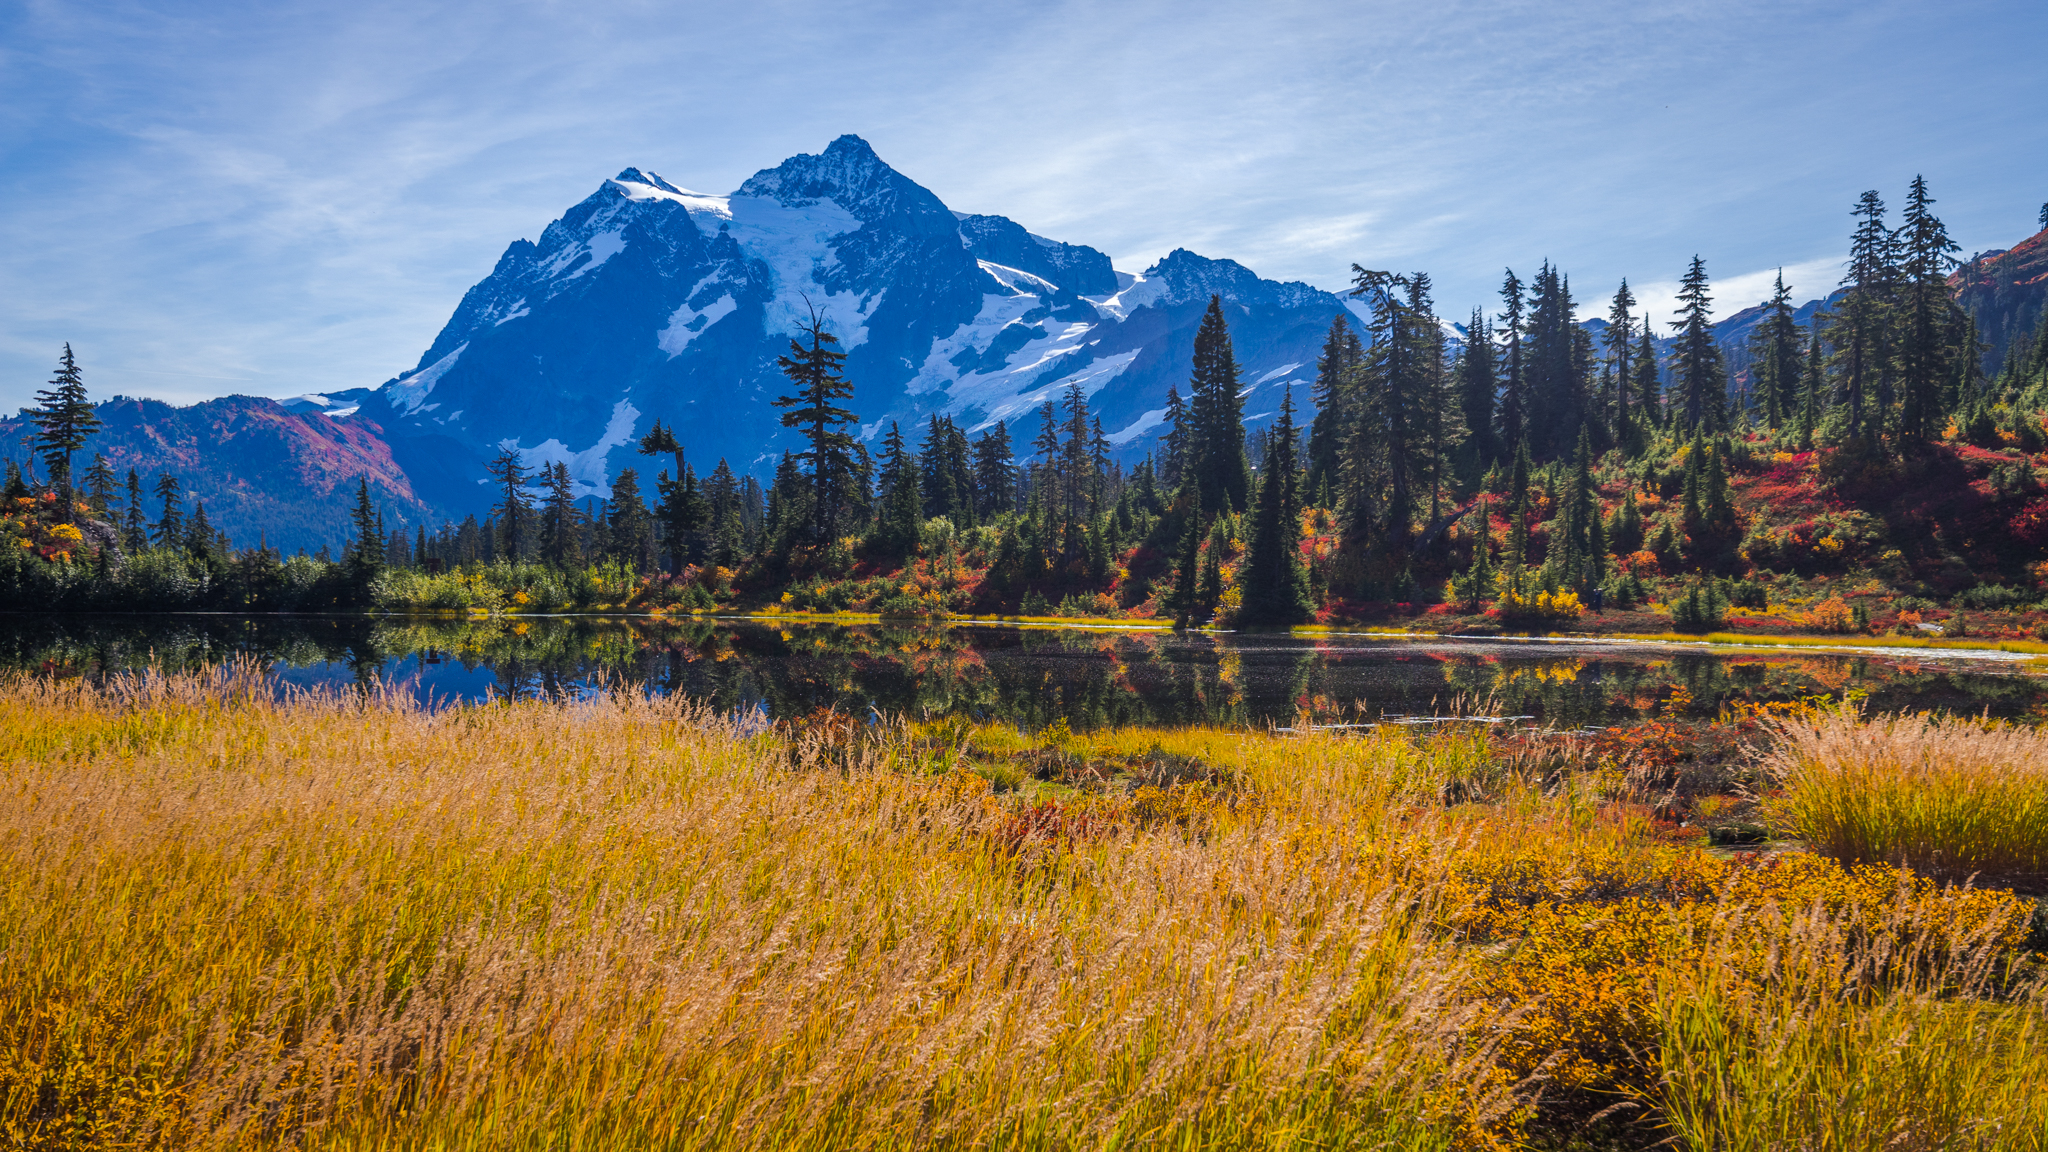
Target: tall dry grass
pixel 339 922
pixel 1948 797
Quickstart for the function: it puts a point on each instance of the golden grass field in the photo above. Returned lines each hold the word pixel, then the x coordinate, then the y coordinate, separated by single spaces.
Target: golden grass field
pixel 336 921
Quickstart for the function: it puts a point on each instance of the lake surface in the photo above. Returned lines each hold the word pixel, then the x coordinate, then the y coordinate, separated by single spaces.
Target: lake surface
pixel 1028 676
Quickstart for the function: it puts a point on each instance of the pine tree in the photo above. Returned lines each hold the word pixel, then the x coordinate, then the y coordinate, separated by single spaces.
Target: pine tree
pixel 514 511
pixel 1209 590
pixel 815 368
pixel 1702 396
pixel 1216 445
pixel 1478 579
pixel 64 420
pixel 1812 384
pixel 1274 584
pixel 170 522
pixel 1555 384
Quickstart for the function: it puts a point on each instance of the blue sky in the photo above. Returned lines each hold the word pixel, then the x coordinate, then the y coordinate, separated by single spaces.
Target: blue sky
pixel 286 197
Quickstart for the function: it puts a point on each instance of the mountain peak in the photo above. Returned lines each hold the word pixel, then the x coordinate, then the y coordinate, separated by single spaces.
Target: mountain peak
pixel 652 180
pixel 850 174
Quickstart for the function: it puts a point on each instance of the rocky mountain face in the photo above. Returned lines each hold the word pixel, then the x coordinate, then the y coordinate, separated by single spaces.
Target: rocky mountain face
pixel 2005 292
pixel 650 302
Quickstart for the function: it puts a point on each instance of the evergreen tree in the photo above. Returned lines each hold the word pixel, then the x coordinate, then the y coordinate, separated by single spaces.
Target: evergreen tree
pixel 134 534
pixel 1514 393
pixel 1776 361
pixel 514 511
pixel 99 487
pixel 1477 379
pixel 170 522
pixel 1925 347
pixel 1649 388
pixel 1185 589
pixel 561 527
pixel 630 531
pixel 64 419
pixel 896 529
pixel 829 453
pixel 1216 443
pixel 1478 579
pixel 1173 463
pixel 1858 328
pixel 1620 340
pixel 1209 590
pixel 1702 395
pixel 995 473
pixel 1555 383
pixel 725 496
pixel 1275 587
pixel 366 550
pixel 1335 368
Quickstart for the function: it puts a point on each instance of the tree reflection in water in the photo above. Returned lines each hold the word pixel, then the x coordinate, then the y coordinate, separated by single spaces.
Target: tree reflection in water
pixel 1027 677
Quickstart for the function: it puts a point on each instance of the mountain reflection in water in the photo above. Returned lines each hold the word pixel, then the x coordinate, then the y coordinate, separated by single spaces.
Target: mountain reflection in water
pixel 1027 676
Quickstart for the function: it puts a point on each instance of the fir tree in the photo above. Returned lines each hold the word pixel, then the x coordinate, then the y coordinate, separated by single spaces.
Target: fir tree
pixel 1924 346
pixel 1857 330
pixel 1620 340
pixel 99 487
pixel 1335 368
pixel 896 529
pixel 1478 579
pixel 1776 357
pixel 134 533
pixel 1275 587
pixel 629 534
pixel 1185 589
pixel 366 550
pixel 1514 393
pixel 1649 388
pixel 1702 397
pixel 1477 379
pixel 1216 445
pixel 814 367
pixel 995 473
pixel 63 420
pixel 170 521
pixel 514 511
pixel 1173 462
pixel 561 528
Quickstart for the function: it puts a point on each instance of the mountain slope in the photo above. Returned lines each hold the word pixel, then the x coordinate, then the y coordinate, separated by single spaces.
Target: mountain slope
pixel 262 470
pixel 648 302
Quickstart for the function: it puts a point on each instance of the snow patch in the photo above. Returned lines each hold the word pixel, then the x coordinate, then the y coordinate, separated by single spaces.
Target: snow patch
pixel 518 310
pixel 587 472
pixel 601 247
pixel 1091 378
pixel 1283 370
pixel 1141 290
pixel 686 322
pixel 409 392
pixel 1138 427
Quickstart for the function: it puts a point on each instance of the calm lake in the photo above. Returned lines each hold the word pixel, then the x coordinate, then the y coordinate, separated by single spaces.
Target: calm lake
pixel 1029 676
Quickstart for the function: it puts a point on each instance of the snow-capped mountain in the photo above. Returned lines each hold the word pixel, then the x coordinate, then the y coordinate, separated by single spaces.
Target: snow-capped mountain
pixel 650 302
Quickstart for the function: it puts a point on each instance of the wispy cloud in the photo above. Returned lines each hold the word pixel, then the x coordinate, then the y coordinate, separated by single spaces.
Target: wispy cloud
pixel 271 198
